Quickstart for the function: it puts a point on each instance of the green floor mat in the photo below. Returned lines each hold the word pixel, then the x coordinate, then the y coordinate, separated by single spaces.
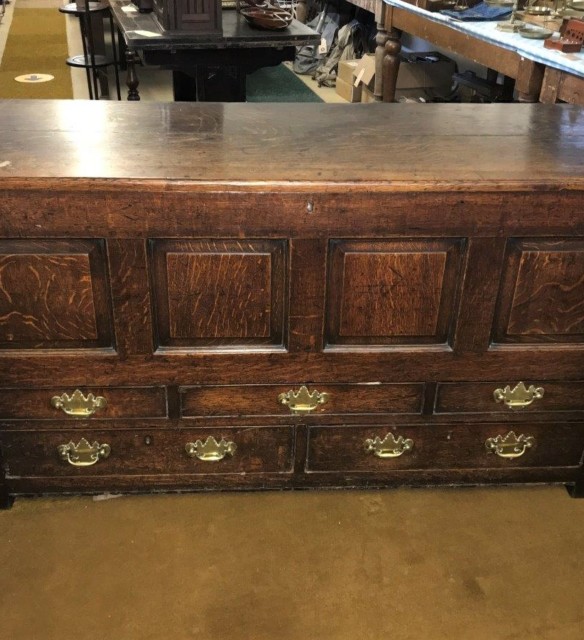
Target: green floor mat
pixel 278 84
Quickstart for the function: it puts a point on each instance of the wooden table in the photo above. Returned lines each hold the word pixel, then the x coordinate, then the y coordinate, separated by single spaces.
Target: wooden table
pixel 534 80
pixel 240 50
pixel 559 85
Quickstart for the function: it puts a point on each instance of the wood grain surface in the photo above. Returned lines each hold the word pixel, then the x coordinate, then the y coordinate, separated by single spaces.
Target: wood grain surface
pixel 505 144
pixel 192 262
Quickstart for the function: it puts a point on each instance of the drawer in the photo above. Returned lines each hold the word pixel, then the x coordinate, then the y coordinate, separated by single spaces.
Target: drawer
pixel 120 402
pixel 145 452
pixel 432 447
pixel 478 397
pixel 255 400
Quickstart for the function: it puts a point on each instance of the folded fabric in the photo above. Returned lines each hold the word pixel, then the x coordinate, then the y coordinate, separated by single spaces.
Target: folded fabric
pixel 480 12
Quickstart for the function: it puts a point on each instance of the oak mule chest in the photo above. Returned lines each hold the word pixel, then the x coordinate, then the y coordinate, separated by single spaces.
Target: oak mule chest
pixel 238 296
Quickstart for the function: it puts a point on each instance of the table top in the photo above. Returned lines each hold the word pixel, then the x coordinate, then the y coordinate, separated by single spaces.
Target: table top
pixel 488 32
pixel 237 33
pixel 469 146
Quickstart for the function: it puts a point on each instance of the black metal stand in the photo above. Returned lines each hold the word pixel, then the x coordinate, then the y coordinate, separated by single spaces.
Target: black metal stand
pixel 89 60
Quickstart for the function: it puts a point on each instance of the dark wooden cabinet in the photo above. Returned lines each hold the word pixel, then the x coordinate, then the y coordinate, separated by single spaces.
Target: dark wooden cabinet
pixel 189 16
pixel 237 296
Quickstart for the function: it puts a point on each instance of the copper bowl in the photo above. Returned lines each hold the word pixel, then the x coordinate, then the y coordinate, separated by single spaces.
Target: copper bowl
pixel 273 18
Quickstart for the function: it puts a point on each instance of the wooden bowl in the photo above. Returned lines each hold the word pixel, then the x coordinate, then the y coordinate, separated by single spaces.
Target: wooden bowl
pixel 272 18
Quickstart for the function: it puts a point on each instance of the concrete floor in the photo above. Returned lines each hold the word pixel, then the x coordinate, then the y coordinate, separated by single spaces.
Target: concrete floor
pixel 411 564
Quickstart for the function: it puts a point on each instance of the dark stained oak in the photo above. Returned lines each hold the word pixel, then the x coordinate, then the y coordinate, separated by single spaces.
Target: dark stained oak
pixel 306 317
pixel 527 145
pixel 127 403
pixel 543 292
pixel 210 292
pixel 139 452
pixel 475 316
pixel 191 262
pixel 392 292
pixel 477 397
pixel 53 294
pixel 127 259
pixel 253 400
pixel 343 448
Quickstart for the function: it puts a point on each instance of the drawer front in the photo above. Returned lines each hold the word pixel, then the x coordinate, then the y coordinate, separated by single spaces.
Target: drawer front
pixel 255 400
pixel 479 397
pixel 432 447
pixel 51 403
pixel 143 452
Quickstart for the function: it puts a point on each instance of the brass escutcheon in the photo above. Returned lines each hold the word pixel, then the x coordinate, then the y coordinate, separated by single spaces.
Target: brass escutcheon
pixel 389 447
pixel 519 397
pixel 210 450
pixel 302 401
pixel 509 446
pixel 79 405
pixel 83 454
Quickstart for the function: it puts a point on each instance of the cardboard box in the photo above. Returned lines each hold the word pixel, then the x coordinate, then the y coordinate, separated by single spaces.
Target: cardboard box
pixel 417 73
pixel 425 71
pixel 367 95
pixel 364 73
pixel 348 91
pixel 346 70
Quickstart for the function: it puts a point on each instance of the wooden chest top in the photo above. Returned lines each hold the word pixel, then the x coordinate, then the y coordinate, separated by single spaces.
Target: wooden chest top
pixel 392 146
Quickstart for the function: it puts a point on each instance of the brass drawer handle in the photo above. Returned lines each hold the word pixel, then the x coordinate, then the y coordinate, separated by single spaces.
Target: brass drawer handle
pixel 210 450
pixel 83 454
pixel 519 397
pixel 389 447
pixel 302 401
pixel 79 405
pixel 509 446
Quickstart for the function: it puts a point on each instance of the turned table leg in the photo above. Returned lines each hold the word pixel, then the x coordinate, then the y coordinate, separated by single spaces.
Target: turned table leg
pixel 386 54
pixel 380 39
pixel 390 65
pixel 132 81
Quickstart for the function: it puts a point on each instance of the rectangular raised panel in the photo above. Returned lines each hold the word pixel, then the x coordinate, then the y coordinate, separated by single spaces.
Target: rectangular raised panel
pixel 149 451
pixel 542 292
pixel 202 16
pixel 442 447
pixel 230 401
pixel 194 11
pixel 219 293
pixel 122 402
pixel 477 397
pixel 392 291
pixel 54 295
